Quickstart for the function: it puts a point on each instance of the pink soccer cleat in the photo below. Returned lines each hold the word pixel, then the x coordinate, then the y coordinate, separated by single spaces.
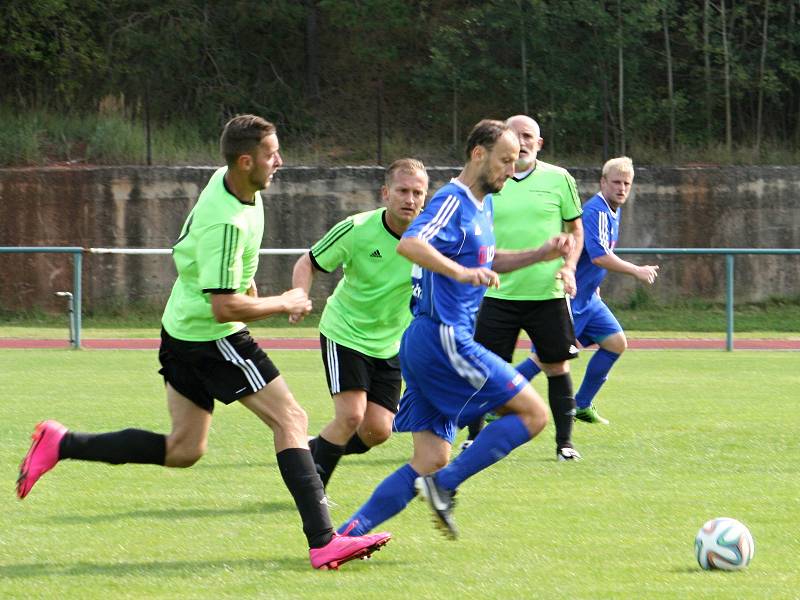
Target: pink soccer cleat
pixel 342 549
pixel 42 456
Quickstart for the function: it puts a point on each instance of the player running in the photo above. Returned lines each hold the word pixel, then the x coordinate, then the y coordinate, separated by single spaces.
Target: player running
pixel 365 317
pixel 451 379
pixel 207 353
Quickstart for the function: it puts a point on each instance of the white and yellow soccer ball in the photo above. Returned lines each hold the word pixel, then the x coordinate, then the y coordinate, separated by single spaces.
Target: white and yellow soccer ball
pixel 725 544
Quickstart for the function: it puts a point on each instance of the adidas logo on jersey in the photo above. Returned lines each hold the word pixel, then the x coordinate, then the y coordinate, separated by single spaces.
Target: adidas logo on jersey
pixel 376 254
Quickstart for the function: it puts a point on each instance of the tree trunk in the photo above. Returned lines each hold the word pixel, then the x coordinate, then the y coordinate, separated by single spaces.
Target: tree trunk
pixel 524 60
pixel 312 50
pixel 621 80
pixel 670 89
pixel 760 110
pixel 707 67
pixel 727 79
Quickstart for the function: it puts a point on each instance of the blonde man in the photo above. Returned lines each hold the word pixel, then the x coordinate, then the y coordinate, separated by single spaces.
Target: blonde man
pixel 594 322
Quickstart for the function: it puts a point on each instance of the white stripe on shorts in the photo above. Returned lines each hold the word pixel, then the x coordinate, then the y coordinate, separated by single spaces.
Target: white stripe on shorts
pixel 251 372
pixel 458 362
pixel 333 367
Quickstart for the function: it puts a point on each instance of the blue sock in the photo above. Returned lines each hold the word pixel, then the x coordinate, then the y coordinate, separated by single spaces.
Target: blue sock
pixel 596 375
pixel 390 497
pixel 528 368
pixel 496 441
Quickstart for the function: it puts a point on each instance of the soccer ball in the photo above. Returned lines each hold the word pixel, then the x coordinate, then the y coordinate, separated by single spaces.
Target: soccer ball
pixel 724 543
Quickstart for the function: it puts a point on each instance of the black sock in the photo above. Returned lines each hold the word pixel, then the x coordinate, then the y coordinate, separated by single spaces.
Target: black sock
pixel 300 477
pixel 562 405
pixel 475 428
pixel 355 445
pixel 326 456
pixel 116 447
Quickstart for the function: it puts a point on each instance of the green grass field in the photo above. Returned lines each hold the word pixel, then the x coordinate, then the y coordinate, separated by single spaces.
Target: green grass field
pixel 694 435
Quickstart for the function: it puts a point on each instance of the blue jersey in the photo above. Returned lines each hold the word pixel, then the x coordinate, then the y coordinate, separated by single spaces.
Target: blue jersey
pixel 600 235
pixel 459 226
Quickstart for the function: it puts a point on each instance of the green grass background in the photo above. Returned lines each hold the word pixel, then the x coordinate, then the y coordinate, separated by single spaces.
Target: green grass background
pixel 694 435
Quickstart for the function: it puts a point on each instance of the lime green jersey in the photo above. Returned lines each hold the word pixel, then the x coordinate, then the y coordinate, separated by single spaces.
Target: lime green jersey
pixel 217 252
pixel 527 213
pixel 369 309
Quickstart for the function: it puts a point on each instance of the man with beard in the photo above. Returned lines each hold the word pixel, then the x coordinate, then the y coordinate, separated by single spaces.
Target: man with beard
pixel 451 379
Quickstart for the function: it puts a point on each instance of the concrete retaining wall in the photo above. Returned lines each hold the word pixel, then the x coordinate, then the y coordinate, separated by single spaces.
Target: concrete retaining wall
pixel 142 207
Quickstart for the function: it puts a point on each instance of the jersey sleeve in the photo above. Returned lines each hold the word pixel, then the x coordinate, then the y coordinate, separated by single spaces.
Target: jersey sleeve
pixel 335 246
pixel 219 253
pixel 570 201
pixel 596 231
pixel 439 224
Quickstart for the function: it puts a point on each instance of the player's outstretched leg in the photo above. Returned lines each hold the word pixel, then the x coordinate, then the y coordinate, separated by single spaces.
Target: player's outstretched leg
pixel 42 455
pixel 344 548
pixel 441 502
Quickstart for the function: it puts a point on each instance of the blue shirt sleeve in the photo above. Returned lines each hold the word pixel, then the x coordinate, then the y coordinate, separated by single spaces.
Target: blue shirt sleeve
pixel 439 224
pixel 596 231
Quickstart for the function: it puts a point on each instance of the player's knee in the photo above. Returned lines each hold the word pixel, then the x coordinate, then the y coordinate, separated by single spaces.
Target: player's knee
pixel 377 435
pixel 184 456
pixel 351 419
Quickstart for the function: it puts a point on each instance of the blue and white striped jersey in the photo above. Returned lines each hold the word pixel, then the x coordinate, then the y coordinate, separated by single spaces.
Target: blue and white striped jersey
pixel 460 227
pixel 600 235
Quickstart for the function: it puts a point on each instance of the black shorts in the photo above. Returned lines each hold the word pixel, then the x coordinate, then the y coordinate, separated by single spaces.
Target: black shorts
pixel 348 369
pixel 226 369
pixel 547 322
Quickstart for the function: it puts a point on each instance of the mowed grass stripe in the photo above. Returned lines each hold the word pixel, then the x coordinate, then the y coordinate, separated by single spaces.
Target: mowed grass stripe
pixel 694 435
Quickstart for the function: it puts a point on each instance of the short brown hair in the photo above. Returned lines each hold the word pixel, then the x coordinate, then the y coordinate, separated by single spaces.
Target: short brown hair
pixel 404 165
pixel 485 133
pixel 242 134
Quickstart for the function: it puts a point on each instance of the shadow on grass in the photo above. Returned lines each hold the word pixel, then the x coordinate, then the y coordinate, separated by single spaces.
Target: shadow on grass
pixel 189 568
pixel 173 514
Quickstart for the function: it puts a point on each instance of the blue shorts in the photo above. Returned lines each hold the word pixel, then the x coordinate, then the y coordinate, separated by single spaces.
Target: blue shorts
pixel 594 322
pixel 451 380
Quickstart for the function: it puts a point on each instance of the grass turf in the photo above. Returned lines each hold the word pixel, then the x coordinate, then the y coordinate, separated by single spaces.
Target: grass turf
pixel 694 435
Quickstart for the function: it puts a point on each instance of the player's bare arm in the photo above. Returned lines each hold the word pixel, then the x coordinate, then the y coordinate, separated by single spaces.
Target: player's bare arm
pixel 426 256
pixel 302 278
pixel 241 307
pixel 612 262
pixel 558 246
pixel 303 273
pixel 567 272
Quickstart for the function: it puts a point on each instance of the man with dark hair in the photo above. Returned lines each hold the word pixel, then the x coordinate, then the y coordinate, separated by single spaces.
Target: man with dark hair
pixel 207 353
pixel 451 379
pixel 539 201
pixel 365 316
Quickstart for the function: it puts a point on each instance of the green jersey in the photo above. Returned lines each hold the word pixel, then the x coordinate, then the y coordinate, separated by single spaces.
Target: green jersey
pixel 217 252
pixel 527 213
pixel 369 309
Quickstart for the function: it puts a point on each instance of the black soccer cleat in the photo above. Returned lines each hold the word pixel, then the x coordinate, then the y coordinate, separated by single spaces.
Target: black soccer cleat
pixel 440 501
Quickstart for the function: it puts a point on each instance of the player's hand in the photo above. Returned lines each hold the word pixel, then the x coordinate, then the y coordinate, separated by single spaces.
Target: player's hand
pixel 567 275
pixel 252 291
pixel 479 276
pixel 558 246
pixel 647 273
pixel 297 303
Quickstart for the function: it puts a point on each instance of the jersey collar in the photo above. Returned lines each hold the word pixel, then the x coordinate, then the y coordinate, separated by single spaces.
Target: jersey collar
pixel 613 212
pixel 227 189
pixel 523 174
pixel 475 201
pixel 386 226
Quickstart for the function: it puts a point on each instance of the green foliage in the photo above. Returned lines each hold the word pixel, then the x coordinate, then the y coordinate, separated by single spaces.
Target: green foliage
pixel 324 70
pixel 693 435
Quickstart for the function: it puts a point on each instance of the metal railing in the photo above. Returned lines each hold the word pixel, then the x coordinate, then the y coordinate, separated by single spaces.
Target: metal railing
pixel 77 254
